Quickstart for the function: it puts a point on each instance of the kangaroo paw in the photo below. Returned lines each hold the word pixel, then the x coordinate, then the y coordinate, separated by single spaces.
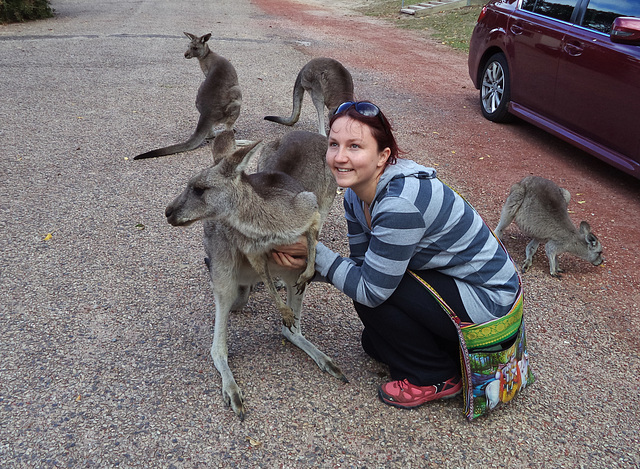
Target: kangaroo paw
pixel 288 318
pixel 333 369
pixel 300 285
pixel 303 280
pixel 232 396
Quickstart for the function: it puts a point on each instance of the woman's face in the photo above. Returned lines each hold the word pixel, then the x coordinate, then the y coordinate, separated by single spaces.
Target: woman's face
pixel 354 158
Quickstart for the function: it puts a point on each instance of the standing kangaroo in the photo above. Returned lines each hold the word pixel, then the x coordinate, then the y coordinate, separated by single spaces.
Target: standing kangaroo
pixel 245 216
pixel 328 83
pixel 218 100
pixel 539 208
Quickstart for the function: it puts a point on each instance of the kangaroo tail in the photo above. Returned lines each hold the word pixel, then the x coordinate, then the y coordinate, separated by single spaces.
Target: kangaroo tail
pixel 298 94
pixel 199 136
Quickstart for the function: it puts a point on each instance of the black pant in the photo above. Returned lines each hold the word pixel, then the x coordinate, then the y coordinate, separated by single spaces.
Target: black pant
pixel 412 334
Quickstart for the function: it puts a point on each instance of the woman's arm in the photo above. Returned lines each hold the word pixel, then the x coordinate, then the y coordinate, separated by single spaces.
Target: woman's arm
pixel 397 227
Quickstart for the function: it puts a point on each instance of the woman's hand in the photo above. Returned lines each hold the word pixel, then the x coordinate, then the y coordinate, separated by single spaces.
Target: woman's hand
pixel 292 256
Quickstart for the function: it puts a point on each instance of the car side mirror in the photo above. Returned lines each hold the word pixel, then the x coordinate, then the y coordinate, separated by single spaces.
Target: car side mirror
pixel 626 30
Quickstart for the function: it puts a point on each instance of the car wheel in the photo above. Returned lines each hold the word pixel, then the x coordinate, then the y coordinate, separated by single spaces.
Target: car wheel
pixel 495 89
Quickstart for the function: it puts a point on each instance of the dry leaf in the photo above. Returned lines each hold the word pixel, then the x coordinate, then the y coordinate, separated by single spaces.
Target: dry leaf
pixel 254 442
pixel 48 237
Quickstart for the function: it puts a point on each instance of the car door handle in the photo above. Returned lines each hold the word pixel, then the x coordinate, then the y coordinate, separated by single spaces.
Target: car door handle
pixel 573 50
pixel 516 29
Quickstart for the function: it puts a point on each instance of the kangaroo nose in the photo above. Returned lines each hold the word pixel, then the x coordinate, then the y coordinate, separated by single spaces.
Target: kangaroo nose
pixel 168 211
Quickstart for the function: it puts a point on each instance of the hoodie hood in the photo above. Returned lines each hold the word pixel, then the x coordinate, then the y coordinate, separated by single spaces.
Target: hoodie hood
pixel 403 169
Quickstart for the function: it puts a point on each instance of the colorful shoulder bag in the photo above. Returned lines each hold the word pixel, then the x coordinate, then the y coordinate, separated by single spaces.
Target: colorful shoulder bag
pixel 493 355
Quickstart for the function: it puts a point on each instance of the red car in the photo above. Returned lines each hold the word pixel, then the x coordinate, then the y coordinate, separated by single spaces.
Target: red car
pixel 570 67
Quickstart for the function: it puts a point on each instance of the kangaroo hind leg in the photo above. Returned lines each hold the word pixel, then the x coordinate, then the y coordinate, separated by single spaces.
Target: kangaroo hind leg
pixel 317 97
pixel 510 208
pixel 324 362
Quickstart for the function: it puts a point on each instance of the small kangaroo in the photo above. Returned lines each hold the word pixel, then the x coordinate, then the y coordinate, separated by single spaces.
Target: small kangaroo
pixel 218 100
pixel 328 83
pixel 539 208
pixel 245 216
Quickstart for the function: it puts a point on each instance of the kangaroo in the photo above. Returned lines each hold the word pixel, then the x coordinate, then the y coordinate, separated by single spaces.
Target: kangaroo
pixel 539 208
pixel 218 100
pixel 244 217
pixel 328 83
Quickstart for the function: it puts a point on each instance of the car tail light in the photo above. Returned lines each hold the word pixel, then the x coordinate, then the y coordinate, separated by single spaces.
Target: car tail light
pixel 482 13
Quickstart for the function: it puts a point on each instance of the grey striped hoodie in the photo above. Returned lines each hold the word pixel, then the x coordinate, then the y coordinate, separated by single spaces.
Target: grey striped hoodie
pixel 419 223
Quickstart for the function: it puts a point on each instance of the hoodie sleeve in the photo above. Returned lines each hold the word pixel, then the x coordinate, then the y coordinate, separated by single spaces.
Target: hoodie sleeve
pixel 397 227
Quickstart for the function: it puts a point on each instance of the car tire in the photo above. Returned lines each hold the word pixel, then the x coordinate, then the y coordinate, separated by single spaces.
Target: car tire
pixel 495 89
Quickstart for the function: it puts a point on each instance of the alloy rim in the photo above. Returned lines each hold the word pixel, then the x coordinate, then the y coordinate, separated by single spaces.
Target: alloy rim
pixel 492 87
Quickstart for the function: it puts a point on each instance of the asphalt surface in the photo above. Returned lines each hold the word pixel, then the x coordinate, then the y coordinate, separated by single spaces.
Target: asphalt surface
pixel 106 314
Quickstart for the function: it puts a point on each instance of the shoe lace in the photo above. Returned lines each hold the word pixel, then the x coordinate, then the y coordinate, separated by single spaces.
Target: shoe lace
pixel 403 383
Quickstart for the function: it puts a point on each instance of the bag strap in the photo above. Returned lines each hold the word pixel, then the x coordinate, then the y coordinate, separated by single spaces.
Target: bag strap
pixel 464 352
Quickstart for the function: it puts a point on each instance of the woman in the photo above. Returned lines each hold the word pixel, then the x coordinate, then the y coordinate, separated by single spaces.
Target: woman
pixel 400 216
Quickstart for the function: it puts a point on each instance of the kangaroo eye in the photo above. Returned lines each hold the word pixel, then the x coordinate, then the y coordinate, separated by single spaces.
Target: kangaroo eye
pixel 198 191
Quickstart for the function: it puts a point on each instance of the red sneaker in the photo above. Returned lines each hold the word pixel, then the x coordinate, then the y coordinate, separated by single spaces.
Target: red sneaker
pixel 405 395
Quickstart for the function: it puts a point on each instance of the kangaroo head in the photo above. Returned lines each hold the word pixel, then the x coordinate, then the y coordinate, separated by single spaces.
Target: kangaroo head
pixel 198 47
pixel 594 248
pixel 214 193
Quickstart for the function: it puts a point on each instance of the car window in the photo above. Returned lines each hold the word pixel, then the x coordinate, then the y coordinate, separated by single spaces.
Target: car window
pixel 601 13
pixel 558 9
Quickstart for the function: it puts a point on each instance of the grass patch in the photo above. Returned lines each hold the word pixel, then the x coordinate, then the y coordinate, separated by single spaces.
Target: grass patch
pixel 450 27
pixel 15 11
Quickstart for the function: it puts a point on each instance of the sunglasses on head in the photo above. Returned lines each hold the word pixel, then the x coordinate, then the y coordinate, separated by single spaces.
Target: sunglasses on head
pixel 362 107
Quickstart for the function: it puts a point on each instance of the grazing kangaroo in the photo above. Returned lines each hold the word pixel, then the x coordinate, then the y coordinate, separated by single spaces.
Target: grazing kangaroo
pixel 218 100
pixel 245 216
pixel 328 83
pixel 539 208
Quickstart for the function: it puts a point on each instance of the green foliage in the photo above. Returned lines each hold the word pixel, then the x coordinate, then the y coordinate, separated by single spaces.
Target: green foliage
pixel 13 11
pixel 450 27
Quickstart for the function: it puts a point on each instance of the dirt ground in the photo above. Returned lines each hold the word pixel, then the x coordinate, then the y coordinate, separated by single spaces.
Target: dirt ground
pixel 442 126
pixel 106 313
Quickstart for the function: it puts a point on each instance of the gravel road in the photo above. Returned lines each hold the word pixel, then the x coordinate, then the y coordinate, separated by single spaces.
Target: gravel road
pixel 107 317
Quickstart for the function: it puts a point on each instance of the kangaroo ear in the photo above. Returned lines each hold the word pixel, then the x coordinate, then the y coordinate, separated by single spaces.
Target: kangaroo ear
pixel 592 240
pixel 190 36
pixel 223 145
pixel 241 157
pixel 205 38
pixel 589 237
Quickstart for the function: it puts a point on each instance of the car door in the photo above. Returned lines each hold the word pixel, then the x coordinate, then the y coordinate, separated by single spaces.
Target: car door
pixel 537 30
pixel 598 81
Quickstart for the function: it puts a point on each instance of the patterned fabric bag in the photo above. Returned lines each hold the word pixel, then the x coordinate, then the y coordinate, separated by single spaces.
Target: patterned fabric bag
pixel 494 359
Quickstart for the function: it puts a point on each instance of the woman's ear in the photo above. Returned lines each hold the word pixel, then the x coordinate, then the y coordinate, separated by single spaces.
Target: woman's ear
pixel 384 156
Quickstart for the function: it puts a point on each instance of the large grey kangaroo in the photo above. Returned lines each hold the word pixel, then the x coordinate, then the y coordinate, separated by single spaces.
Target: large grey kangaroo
pixel 218 100
pixel 328 83
pixel 539 208
pixel 245 216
